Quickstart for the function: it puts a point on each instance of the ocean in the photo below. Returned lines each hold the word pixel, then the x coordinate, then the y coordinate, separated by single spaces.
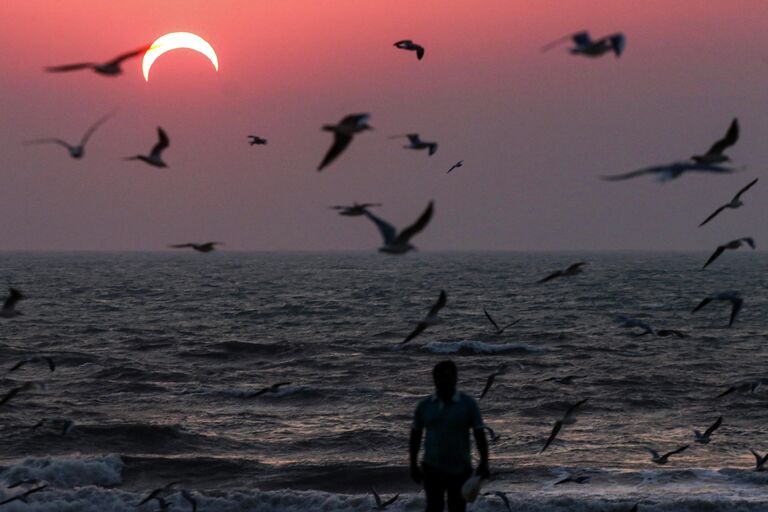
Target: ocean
pixel 159 358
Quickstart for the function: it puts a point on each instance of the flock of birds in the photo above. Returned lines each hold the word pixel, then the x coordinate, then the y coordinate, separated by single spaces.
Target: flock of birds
pixel 399 242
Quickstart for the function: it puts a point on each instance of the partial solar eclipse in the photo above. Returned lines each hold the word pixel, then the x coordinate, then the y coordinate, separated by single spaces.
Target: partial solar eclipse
pixel 176 40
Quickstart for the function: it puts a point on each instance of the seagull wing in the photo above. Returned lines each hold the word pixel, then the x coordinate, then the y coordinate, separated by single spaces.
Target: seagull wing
pixel 731 136
pixel 759 461
pixel 749 241
pixel 406 234
pixel 673 452
pixel 89 132
pixel 714 427
pixel 18 365
pixel 488 384
pixel 340 143
pixel 162 143
pixel 69 67
pixel 488 316
pixel 640 172
pixel 181 246
pixel 558 41
pixel 418 330
pixel 14 297
pixel 510 324
pixel 618 42
pixel 555 429
pixel 440 304
pixel 714 256
pixel 432 148
pixel 751 183
pixel 391 500
pixel 191 500
pixel 128 55
pixel 413 138
pixel 504 499
pixel 728 391
pixel 388 231
pixel 713 215
pixel 581 38
pixel 735 308
pixel 419 51
pixel 551 276
pixel 653 452
pixel 377 498
pixel 355 120
pixel 50 141
pixel 572 409
pixel 702 304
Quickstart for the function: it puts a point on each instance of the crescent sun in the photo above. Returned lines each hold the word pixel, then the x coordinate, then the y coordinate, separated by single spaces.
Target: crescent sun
pixel 176 40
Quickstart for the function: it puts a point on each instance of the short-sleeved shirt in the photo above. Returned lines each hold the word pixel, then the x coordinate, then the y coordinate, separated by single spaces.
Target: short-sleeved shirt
pixel 447 444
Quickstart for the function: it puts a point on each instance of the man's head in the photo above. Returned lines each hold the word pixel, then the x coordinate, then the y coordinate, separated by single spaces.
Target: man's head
pixel 445 375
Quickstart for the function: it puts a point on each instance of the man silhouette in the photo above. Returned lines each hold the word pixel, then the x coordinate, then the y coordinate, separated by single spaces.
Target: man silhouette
pixel 448 416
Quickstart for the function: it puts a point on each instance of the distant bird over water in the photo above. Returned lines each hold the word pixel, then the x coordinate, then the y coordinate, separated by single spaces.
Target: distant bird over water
pixel 256 140
pixel 715 154
pixel 733 244
pixel 34 359
pixel 582 479
pixel 736 202
pixel 567 419
pixel 733 297
pixel 430 319
pixel 671 171
pixel 760 461
pixel 343 134
pixel 274 388
pixel 584 45
pixel 501 370
pixel 355 210
pixel 415 142
pixel 572 270
pixel 382 505
pixel 458 164
pixel 663 459
pixel 154 157
pixel 109 68
pixel 705 437
pixel 400 243
pixel 77 151
pixel 9 306
pixel 206 247
pixel 499 330
pixel 407 44
pixel 23 496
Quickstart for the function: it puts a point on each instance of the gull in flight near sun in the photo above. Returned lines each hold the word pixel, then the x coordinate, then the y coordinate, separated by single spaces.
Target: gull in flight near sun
pixel 154 157
pixel 9 306
pixel 407 44
pixel 759 461
pixel 671 171
pixel 458 164
pixel 400 243
pixel 206 247
pixel 431 318
pixel 663 459
pixel 343 134
pixel 567 419
pixel 572 270
pixel 501 370
pixel 733 244
pixel 415 142
pixel 715 154
pixel 109 68
pixel 256 140
pixel 584 45
pixel 77 151
pixel 499 330
pixel 736 202
pixel 354 210
pixel 733 297
pixel 705 437
pixel 382 505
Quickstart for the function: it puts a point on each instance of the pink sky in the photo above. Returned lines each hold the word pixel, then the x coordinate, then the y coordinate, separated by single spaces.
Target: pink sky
pixel 535 130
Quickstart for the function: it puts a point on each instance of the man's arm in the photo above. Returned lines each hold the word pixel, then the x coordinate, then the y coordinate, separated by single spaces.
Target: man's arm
pixel 414 445
pixel 482 448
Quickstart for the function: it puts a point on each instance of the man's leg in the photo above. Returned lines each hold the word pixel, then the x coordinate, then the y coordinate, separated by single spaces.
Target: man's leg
pixel 456 502
pixel 434 488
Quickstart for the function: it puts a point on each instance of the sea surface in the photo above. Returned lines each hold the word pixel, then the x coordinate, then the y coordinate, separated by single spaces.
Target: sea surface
pixel 159 357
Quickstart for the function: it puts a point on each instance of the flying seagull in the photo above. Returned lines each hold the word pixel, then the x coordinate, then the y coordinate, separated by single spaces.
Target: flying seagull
pixel 499 330
pixel 744 387
pixel 589 48
pixel 355 210
pixel 109 68
pixel 735 202
pixel 663 333
pixel 567 419
pixel 494 437
pixel 342 135
pixel 157 493
pixel 430 319
pixel 64 426
pixel 256 140
pixel 501 370
pixel 671 171
pixel 733 297
pixel 663 459
pixel 733 244
pixel 274 388
pixel 77 151
pixel 34 359
pixel 206 247
pixel 9 306
pixel 154 157
pixel 759 461
pixel 23 496
pixel 574 480
pixel 400 243
pixel 715 154
pixel 415 142
pixel 407 44
pixel 15 391
pixel 382 505
pixel 572 270
pixel 705 437
pixel 458 164
pixel 503 497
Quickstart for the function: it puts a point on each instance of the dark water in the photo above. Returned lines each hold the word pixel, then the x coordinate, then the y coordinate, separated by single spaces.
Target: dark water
pixel 159 357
